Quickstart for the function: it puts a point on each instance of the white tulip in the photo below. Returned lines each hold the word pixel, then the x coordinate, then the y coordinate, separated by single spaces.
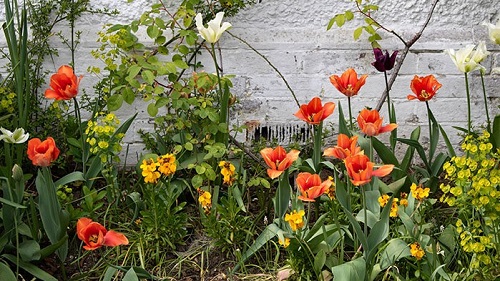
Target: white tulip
pixel 214 31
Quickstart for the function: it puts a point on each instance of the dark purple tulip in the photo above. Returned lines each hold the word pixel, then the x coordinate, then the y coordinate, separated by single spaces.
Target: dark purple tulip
pixel 384 62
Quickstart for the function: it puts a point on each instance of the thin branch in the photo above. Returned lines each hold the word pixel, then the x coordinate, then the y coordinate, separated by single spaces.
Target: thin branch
pixel 270 64
pixel 247 151
pixel 380 25
pixel 408 45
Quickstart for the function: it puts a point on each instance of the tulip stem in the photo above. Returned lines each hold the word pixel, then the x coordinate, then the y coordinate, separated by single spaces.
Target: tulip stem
pixel 365 213
pixel 318 131
pixel 350 113
pixel 387 91
pixel 82 136
pixel 468 104
pixel 488 122
pixel 431 150
pixel 223 102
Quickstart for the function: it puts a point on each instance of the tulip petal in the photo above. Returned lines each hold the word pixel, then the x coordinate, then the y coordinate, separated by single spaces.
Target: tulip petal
pixel 81 224
pixel 113 238
pixel 383 170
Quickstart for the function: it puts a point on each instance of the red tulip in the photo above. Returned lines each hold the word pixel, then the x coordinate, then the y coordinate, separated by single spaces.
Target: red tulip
pixel 360 169
pixel 63 84
pixel 313 112
pixel 310 186
pixel 345 147
pixel 424 88
pixel 370 123
pixel 42 153
pixel 278 160
pixel 348 83
pixel 94 235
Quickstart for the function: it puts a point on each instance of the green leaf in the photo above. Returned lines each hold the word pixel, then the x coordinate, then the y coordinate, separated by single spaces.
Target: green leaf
pixel 10 203
pixel 495 133
pixel 239 198
pixel 330 23
pixel 128 95
pixel 188 146
pixel 340 20
pixel 110 272
pixel 114 102
pixel 319 261
pixel 133 71
pixel 395 250
pixel 148 76
pixel 6 273
pixel 282 196
pixel 349 271
pixel 384 152
pixel 130 275
pixel 30 268
pixel 152 110
pixel 29 250
pixel 267 234
pixel 357 32
pixel 380 231
pixel 349 15
pixel 420 150
pixel 343 123
pixel 153 31
pixel 181 64
pixel 71 177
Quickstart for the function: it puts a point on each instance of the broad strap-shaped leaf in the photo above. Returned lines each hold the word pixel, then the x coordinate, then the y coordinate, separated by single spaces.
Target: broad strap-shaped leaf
pixel 350 271
pixel 267 234
pixel 395 250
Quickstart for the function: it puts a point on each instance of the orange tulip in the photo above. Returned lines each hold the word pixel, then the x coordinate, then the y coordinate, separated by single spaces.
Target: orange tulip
pixel 94 235
pixel 63 84
pixel 360 169
pixel 311 187
pixel 370 123
pixel 313 112
pixel 278 160
pixel 348 83
pixel 345 147
pixel 424 88
pixel 42 153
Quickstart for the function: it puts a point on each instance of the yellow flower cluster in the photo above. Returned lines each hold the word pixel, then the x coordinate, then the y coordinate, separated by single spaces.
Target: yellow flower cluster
pixel 284 243
pixel 419 192
pixel 205 200
pixel 227 171
pixel 473 240
pixel 295 219
pixel 330 191
pixel 384 199
pixel 416 251
pixel 472 185
pixel 101 136
pixel 152 170
pixel 7 99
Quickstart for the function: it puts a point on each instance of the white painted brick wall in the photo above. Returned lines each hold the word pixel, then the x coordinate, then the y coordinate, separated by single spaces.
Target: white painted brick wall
pixel 292 35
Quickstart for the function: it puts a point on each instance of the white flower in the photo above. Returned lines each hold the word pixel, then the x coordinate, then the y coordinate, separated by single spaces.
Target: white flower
pixel 214 31
pixel 480 53
pixel 468 59
pixel 494 31
pixel 18 136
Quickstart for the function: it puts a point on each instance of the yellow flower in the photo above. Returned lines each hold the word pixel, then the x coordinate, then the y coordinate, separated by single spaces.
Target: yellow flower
pixel 419 192
pixel 383 199
pixel 103 144
pixel 205 199
pixel 167 165
pixel 149 172
pixel 394 208
pixel 227 171
pixel 285 243
pixel 295 219
pixel 330 191
pixel 404 200
pixel 416 251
